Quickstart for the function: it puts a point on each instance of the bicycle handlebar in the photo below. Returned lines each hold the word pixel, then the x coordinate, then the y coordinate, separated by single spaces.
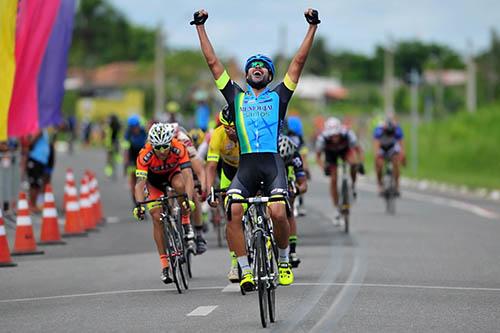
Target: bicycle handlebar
pixel 162 199
pixel 255 200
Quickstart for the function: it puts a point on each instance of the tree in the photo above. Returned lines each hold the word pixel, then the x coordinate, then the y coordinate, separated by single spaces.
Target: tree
pixel 102 34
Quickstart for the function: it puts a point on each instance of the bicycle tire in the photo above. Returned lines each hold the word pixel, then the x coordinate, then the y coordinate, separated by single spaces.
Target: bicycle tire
pixel 345 205
pixel 173 257
pixel 261 269
pixel 182 265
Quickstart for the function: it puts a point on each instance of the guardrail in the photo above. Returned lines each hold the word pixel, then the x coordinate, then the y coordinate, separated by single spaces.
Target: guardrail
pixel 10 178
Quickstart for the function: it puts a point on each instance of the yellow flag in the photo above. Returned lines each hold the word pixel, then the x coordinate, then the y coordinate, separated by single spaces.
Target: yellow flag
pixel 8 13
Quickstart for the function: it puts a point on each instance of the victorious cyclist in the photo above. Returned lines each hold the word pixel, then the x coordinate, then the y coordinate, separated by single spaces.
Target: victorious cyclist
pixel 258 113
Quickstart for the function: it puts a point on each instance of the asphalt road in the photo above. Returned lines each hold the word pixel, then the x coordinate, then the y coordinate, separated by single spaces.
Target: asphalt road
pixel 434 267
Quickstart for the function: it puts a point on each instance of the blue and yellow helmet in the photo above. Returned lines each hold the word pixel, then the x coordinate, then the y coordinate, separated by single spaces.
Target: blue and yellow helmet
pixel 265 59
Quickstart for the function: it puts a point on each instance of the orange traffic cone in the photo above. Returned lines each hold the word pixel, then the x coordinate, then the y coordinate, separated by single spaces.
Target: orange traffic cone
pixel 25 240
pixel 85 206
pixel 73 226
pixel 49 235
pixel 92 198
pixel 5 260
pixel 70 182
pixel 99 211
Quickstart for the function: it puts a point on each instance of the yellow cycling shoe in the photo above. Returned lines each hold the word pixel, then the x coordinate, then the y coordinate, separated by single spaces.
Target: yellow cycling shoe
pixel 247 283
pixel 286 274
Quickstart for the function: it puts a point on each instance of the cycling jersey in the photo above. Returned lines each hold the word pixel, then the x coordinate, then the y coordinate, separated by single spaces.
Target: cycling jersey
pixel 221 146
pixel 157 171
pixel 136 142
pixel 183 137
pixel 295 167
pixel 259 119
pixel 325 142
pixel 388 140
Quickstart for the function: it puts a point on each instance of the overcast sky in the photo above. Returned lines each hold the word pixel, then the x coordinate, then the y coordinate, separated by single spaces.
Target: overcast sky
pixel 242 28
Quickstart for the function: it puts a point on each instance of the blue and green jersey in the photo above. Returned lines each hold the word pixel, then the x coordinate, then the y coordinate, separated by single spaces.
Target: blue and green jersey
pixel 258 119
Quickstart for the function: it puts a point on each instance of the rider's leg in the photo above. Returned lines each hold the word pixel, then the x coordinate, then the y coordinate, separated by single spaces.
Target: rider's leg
pixel 333 184
pixel 235 237
pixel 158 234
pixel 353 161
pixel 178 184
pixel 281 229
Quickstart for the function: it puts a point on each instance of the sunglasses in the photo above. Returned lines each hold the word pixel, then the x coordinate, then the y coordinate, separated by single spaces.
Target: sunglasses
pixel 260 64
pixel 161 148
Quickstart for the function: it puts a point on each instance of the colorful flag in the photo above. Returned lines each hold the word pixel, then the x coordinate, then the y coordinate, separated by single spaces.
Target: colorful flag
pixel 53 69
pixel 34 24
pixel 8 10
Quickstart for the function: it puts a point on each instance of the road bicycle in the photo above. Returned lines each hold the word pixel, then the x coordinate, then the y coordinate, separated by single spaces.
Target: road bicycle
pixel 179 255
pixel 389 188
pixel 263 251
pixel 344 197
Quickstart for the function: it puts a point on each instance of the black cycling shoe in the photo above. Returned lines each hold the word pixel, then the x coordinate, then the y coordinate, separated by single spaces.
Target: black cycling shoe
pixel 294 260
pixel 201 245
pixel 165 276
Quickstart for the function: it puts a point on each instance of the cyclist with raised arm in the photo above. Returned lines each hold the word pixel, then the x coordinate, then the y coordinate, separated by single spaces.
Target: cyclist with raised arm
pixel 297 180
pixel 388 145
pixel 223 160
pixel 258 113
pixel 163 162
pixel 337 142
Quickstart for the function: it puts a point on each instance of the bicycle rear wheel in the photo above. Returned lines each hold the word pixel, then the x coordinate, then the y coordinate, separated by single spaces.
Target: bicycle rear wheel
pixel 261 269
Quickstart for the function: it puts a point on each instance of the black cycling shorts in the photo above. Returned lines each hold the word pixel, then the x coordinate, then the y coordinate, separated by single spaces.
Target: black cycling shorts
pixel 255 168
pixel 35 172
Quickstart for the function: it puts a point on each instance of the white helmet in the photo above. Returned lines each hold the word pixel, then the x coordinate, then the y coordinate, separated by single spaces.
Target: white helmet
pixel 333 126
pixel 286 147
pixel 161 134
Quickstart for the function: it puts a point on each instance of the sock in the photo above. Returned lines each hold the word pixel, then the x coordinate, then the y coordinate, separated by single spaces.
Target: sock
pixel 245 267
pixel 198 230
pixel 234 259
pixel 164 260
pixel 292 240
pixel 185 219
pixel 283 254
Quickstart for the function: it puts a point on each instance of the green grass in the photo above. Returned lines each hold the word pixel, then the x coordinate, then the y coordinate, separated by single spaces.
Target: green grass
pixel 463 149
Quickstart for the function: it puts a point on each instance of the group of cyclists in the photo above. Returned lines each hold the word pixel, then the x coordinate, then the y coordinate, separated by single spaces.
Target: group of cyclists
pixel 254 149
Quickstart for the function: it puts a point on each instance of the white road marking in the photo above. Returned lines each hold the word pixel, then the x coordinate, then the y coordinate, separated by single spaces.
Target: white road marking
pixel 462 205
pixel 202 311
pixel 137 291
pixel 384 285
pixel 232 287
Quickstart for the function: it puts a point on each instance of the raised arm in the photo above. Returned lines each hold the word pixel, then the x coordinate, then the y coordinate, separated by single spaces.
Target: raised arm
pixel 213 62
pixel 300 57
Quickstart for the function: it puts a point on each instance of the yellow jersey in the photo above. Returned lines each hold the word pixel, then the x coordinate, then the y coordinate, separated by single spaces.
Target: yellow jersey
pixel 221 146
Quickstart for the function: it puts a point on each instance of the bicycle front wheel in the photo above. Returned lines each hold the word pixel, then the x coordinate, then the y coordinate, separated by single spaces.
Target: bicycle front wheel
pixel 173 255
pixel 261 269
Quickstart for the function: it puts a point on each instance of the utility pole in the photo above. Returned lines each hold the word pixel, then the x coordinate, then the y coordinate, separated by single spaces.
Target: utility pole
pixel 389 78
pixel 159 74
pixel 415 81
pixel 471 79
